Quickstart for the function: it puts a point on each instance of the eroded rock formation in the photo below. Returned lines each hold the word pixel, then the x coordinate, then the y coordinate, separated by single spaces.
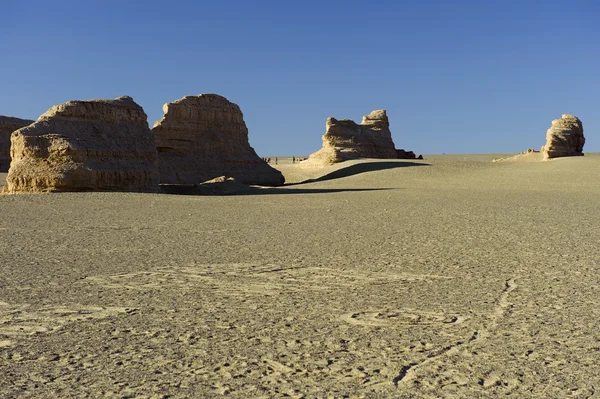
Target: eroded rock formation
pixel 345 140
pixel 564 138
pixel 401 154
pixel 8 125
pixel 95 145
pixel 203 137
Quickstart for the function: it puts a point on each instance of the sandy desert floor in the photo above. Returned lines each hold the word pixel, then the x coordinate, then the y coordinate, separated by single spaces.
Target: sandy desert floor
pixel 451 277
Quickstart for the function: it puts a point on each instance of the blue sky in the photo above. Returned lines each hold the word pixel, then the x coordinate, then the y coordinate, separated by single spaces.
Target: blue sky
pixel 455 76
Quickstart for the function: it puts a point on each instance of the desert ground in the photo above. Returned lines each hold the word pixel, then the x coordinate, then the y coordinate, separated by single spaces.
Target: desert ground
pixel 450 277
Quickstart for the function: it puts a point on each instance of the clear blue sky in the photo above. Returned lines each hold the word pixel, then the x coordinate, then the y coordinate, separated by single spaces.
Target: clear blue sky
pixel 455 76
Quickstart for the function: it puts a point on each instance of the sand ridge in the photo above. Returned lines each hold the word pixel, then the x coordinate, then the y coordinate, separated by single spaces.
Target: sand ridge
pixel 449 277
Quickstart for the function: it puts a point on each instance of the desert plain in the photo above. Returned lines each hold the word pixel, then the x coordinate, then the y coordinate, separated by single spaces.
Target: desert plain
pixel 450 277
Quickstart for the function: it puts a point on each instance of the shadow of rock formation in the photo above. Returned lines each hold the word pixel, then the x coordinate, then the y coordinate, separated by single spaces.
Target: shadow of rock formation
pixel 217 189
pixel 359 168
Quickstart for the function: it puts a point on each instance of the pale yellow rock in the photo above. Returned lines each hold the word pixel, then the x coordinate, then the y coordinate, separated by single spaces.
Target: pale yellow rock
pixel 345 140
pixel 95 145
pixel 564 138
pixel 203 137
pixel 8 125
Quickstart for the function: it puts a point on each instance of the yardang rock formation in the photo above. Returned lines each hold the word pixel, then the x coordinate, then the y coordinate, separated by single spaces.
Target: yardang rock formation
pixel 345 140
pixel 95 145
pixel 203 137
pixel 8 125
pixel 564 138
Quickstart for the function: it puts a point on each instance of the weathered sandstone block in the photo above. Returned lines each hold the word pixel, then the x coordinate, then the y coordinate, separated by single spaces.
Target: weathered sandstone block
pixel 203 137
pixel 7 126
pixel 95 145
pixel 345 140
pixel 564 138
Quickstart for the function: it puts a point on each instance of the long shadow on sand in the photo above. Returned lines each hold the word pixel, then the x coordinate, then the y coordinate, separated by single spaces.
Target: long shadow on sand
pixel 227 188
pixel 215 190
pixel 360 168
pixel 232 188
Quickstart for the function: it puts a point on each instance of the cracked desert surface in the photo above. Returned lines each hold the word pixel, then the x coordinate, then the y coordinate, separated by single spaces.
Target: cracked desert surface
pixel 450 277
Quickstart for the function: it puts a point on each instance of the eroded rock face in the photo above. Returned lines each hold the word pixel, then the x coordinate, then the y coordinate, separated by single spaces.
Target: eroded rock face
pixel 345 140
pixel 8 125
pixel 95 145
pixel 564 138
pixel 203 137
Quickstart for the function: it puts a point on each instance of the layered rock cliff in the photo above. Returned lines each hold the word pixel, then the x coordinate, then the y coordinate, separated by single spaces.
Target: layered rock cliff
pixel 8 125
pixel 95 145
pixel 203 137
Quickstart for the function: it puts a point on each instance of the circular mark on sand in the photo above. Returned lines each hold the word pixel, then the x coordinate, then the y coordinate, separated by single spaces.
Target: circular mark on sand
pixel 402 317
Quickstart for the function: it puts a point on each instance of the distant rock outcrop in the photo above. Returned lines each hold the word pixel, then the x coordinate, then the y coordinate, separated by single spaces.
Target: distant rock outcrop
pixel 8 125
pixel 564 138
pixel 530 155
pixel 95 145
pixel 203 137
pixel 345 140
pixel 401 154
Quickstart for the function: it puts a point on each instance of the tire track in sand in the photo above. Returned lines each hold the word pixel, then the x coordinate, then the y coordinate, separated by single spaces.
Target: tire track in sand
pixel 408 372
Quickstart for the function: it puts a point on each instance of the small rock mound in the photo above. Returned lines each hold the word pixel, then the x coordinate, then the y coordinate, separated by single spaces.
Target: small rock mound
pixel 221 185
pixel 345 140
pixel 526 156
pixel 564 138
pixel 8 125
pixel 203 137
pixel 94 145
